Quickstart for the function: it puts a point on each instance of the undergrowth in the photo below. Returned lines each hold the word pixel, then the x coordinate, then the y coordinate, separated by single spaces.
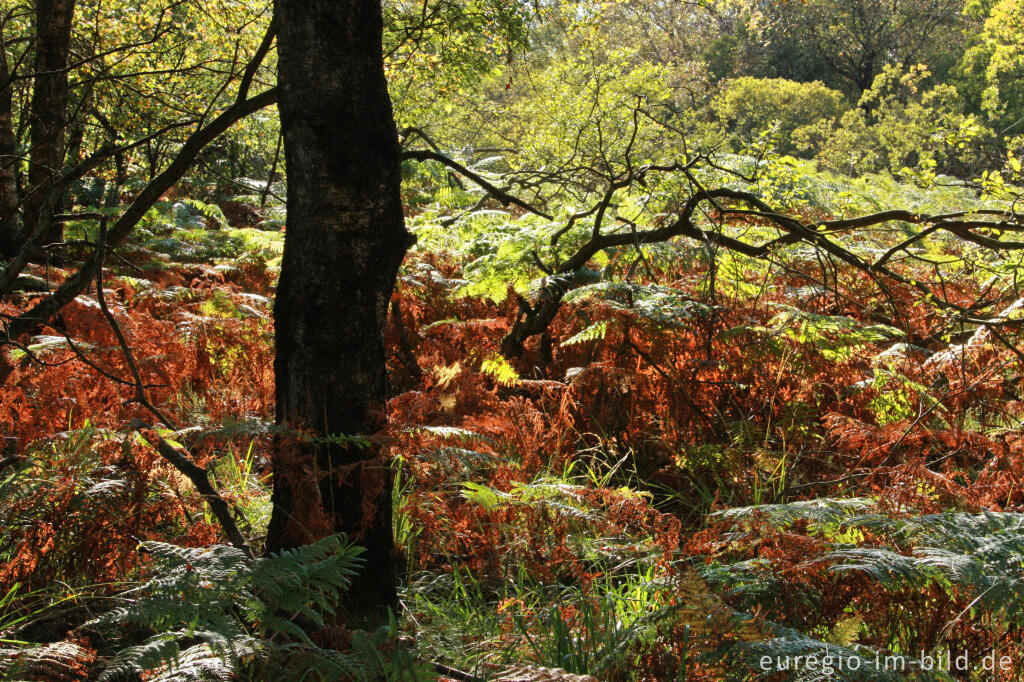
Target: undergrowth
pixel 709 461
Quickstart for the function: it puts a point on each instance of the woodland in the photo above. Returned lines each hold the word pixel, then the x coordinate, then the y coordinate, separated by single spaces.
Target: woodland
pixel 518 341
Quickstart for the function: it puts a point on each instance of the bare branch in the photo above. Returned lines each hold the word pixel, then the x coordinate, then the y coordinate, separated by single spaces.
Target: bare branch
pixel 74 285
pixel 499 194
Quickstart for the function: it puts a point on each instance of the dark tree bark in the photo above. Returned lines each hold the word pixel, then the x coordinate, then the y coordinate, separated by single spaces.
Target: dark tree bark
pixel 75 138
pixel 8 150
pixel 345 240
pixel 48 111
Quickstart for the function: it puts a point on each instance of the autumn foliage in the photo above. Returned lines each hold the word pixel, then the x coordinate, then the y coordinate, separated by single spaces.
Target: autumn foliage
pixel 583 457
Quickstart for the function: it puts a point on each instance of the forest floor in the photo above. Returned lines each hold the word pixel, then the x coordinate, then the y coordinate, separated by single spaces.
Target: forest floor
pixel 679 480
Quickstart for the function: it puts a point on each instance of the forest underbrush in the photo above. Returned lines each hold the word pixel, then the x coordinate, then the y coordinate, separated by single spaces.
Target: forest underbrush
pixel 706 463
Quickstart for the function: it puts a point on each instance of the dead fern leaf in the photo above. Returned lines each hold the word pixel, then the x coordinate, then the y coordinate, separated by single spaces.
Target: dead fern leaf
pixel 57 662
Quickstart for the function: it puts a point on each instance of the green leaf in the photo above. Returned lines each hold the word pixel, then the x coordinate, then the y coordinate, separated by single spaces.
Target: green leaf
pixel 591 333
pixel 488 498
pixel 497 367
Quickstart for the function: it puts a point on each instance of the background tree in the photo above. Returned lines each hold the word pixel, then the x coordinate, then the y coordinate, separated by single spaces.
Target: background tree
pixel 992 69
pixel 856 39
pixel 108 80
pixel 8 154
pixel 49 115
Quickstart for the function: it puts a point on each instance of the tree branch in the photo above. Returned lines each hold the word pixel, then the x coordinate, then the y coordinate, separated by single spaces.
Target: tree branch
pixel 74 285
pixel 499 194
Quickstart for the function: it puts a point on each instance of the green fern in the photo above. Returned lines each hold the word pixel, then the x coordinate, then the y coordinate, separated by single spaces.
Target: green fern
pixel 974 557
pixel 590 333
pixel 199 208
pixel 835 336
pixel 982 555
pixel 820 512
pixel 499 369
pixel 659 306
pixel 216 611
pixel 199 662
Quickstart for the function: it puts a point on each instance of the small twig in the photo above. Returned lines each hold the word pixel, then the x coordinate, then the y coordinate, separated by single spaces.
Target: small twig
pixel 87 215
pixel 455 674
pixel 1009 344
pixel 540 264
pixel 11 460
pixel 89 363
pixel 499 194
pixel 140 386
pixel 648 359
pixel 815 484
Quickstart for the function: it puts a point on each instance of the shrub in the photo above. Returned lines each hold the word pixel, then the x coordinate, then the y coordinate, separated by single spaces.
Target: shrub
pixel 901 124
pixel 803 112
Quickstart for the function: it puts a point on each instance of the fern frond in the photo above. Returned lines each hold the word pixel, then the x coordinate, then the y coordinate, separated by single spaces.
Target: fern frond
pixel 307 580
pixel 830 334
pixel 57 661
pixel 980 554
pixel 155 652
pixel 459 458
pixel 454 433
pixel 203 662
pixel 825 511
pixel 211 211
pixel 232 604
pixel 499 369
pixel 659 306
pixel 889 568
pixel 590 333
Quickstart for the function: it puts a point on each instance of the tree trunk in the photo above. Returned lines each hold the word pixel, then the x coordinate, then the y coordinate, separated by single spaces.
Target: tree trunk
pixel 8 161
pixel 345 238
pixel 76 136
pixel 48 113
